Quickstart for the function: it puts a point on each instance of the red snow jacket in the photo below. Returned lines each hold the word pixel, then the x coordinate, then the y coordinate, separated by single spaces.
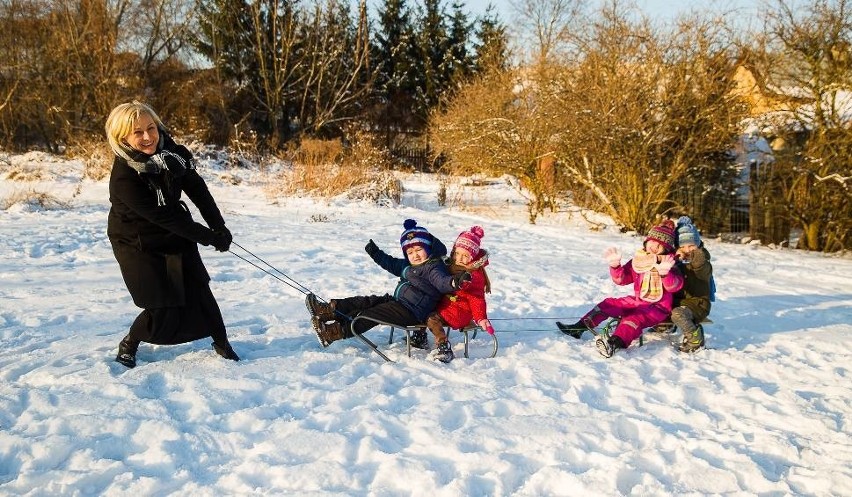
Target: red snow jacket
pixel 459 308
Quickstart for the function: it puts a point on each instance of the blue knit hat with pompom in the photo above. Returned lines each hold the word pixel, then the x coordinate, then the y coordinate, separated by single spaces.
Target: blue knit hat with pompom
pixel 415 236
pixel 687 233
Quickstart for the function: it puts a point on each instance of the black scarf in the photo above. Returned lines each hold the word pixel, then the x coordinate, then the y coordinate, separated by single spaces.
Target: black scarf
pixel 170 156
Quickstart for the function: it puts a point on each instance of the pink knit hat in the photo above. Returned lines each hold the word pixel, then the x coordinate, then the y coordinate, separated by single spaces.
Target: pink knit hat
pixel 470 240
pixel 665 234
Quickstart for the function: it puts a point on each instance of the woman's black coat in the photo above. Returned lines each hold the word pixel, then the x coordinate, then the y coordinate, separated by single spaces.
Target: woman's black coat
pixel 152 233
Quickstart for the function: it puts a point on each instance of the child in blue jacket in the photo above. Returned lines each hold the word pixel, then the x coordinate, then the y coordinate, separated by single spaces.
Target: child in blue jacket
pixel 423 280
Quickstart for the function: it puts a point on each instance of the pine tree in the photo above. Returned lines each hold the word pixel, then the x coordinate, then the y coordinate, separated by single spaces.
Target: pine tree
pixel 225 37
pixel 458 61
pixel 492 49
pixel 433 42
pixel 396 61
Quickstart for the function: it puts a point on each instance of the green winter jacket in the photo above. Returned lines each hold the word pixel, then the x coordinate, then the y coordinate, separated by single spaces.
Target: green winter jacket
pixel 697 287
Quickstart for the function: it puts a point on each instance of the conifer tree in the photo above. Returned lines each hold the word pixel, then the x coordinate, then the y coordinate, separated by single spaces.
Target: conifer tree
pixel 458 60
pixel 396 61
pixel 491 50
pixel 433 42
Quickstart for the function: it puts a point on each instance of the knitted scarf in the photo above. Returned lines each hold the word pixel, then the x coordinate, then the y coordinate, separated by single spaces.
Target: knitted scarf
pixel 645 263
pixel 171 157
pixel 473 266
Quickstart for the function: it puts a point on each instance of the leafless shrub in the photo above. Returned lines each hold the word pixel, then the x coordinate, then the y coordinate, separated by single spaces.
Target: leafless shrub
pixel 326 169
pixel 97 158
pixel 34 200
pixel 24 174
pixel 806 58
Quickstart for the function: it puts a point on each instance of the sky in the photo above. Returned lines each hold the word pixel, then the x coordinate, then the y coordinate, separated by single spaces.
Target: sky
pixel 764 410
pixel 653 8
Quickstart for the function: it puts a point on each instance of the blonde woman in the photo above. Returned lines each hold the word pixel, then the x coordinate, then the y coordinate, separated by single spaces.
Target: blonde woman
pixel 154 238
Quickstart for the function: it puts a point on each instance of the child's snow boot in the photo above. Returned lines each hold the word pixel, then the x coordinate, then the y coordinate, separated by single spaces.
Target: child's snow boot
pixel 443 352
pixel 329 332
pixel 419 340
pixel 692 341
pixel 320 310
pixel 584 324
pixel 573 330
pixel 127 352
pixel 607 345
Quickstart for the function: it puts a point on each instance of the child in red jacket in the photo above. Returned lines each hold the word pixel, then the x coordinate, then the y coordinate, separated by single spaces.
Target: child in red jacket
pixel 458 309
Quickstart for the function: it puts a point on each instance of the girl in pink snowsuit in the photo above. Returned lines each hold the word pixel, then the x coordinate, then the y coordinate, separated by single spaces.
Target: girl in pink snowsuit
pixel 655 279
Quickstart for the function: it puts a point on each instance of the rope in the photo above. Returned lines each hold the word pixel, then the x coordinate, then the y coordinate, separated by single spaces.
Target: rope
pixel 305 290
pixel 294 285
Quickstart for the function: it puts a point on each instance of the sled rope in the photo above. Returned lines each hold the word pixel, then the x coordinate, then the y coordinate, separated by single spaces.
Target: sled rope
pixel 287 280
pixel 291 283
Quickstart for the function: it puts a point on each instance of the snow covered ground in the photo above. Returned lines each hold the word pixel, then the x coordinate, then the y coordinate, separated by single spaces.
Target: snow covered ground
pixel 765 410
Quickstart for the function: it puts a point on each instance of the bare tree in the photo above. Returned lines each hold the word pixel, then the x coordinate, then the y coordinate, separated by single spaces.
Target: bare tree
pixel 806 58
pixel 158 30
pixel 60 56
pixel 501 123
pixel 625 123
pixel 336 66
pixel 550 26
pixel 646 109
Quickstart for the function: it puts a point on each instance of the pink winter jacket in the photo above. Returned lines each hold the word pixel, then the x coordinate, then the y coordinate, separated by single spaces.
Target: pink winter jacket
pixel 625 274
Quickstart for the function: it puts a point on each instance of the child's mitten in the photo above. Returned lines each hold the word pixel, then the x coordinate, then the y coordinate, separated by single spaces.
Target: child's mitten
pixel 665 265
pixel 486 325
pixel 612 256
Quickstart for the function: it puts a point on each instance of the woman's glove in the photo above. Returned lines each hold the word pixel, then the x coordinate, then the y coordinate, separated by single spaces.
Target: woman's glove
pixel 486 325
pixel 222 239
pixel 665 265
pixel 612 256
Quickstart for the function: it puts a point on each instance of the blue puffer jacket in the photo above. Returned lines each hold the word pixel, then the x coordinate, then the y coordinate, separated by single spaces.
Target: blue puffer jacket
pixel 420 287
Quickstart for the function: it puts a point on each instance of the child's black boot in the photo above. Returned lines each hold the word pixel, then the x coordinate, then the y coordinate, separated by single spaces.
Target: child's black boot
pixel 443 352
pixel 419 340
pixel 572 330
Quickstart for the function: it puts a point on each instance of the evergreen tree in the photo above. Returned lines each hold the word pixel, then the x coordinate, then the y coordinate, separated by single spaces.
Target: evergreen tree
pixel 225 37
pixel 434 46
pixel 458 63
pixel 492 49
pixel 396 61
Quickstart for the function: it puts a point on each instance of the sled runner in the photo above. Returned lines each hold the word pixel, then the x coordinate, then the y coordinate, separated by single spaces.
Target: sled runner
pixel 469 332
pixel 664 328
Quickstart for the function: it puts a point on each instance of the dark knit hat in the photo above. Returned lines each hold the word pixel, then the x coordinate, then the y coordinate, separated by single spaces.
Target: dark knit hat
pixel 687 233
pixel 415 236
pixel 663 233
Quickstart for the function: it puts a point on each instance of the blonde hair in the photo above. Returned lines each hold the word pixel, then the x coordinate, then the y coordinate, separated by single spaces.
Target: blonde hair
pixel 121 120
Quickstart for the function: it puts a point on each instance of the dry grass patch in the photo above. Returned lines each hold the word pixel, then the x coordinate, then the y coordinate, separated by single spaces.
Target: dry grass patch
pixel 34 200
pixel 326 168
pixel 24 174
pixel 97 158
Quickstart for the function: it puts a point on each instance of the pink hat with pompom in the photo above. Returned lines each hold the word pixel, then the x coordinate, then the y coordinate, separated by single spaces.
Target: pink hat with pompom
pixel 665 234
pixel 470 240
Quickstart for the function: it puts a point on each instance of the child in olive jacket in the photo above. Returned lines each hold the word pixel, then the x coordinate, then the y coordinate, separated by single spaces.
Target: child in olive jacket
pixel 692 303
